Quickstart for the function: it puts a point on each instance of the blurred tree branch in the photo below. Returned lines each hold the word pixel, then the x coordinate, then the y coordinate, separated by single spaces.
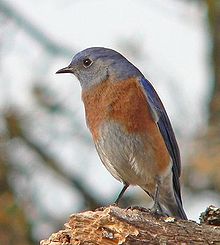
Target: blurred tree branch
pixel 15 130
pixel 205 159
pixel 214 24
pixel 14 228
pixel 50 45
pixel 47 99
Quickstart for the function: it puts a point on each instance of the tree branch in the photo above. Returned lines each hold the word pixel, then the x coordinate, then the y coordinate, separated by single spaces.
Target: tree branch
pixel 15 129
pixel 32 30
pixel 114 225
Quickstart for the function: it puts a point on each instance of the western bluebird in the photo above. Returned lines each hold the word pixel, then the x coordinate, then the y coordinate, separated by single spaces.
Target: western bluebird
pixel 130 127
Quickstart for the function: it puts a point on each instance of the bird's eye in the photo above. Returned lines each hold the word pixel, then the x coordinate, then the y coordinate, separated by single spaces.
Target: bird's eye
pixel 87 62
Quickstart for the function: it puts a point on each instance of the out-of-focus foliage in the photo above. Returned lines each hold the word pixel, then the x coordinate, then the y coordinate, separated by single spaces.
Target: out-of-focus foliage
pixel 14 228
pixel 203 171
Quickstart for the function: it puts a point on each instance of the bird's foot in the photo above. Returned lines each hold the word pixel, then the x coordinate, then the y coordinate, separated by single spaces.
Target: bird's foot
pixel 114 204
pixel 157 210
pixel 103 208
pixel 100 208
pixel 142 209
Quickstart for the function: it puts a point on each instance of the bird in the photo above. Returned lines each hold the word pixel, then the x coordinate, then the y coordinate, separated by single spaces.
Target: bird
pixel 130 127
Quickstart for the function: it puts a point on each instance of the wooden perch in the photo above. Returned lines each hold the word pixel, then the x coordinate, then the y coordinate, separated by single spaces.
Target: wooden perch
pixel 113 225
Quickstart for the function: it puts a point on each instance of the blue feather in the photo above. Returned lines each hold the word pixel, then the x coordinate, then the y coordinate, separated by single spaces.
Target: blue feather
pixel 166 130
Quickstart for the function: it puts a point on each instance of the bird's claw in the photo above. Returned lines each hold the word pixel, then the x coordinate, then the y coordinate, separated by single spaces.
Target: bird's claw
pixel 142 209
pixel 156 210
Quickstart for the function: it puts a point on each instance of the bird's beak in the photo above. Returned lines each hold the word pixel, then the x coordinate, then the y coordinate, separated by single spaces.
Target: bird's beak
pixel 67 69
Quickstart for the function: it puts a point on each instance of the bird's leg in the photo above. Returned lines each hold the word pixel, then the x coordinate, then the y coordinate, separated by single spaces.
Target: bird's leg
pixel 142 209
pixel 121 193
pixel 156 207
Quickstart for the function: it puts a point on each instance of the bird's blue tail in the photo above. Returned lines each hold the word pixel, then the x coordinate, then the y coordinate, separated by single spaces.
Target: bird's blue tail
pixel 180 210
pixel 175 207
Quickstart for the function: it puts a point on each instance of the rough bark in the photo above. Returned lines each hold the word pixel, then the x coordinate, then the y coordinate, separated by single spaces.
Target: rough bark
pixel 113 225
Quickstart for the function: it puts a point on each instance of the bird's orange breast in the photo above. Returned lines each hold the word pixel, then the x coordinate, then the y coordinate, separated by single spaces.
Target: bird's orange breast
pixel 124 103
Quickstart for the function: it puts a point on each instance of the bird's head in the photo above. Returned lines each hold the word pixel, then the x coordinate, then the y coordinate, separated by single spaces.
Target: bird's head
pixel 95 65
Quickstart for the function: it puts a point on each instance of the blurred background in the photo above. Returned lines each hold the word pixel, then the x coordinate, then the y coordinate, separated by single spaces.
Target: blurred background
pixel 49 168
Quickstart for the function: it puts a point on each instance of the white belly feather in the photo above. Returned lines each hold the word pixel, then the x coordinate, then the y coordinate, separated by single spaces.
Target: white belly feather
pixel 125 155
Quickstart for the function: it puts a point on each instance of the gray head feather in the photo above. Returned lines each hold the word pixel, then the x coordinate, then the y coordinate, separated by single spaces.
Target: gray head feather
pixel 94 65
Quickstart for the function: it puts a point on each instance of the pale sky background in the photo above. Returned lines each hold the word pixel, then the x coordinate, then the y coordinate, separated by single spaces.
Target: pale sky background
pixel 171 41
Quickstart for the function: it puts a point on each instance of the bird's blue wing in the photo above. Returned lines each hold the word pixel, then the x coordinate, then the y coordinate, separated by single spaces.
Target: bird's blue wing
pixel 165 127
